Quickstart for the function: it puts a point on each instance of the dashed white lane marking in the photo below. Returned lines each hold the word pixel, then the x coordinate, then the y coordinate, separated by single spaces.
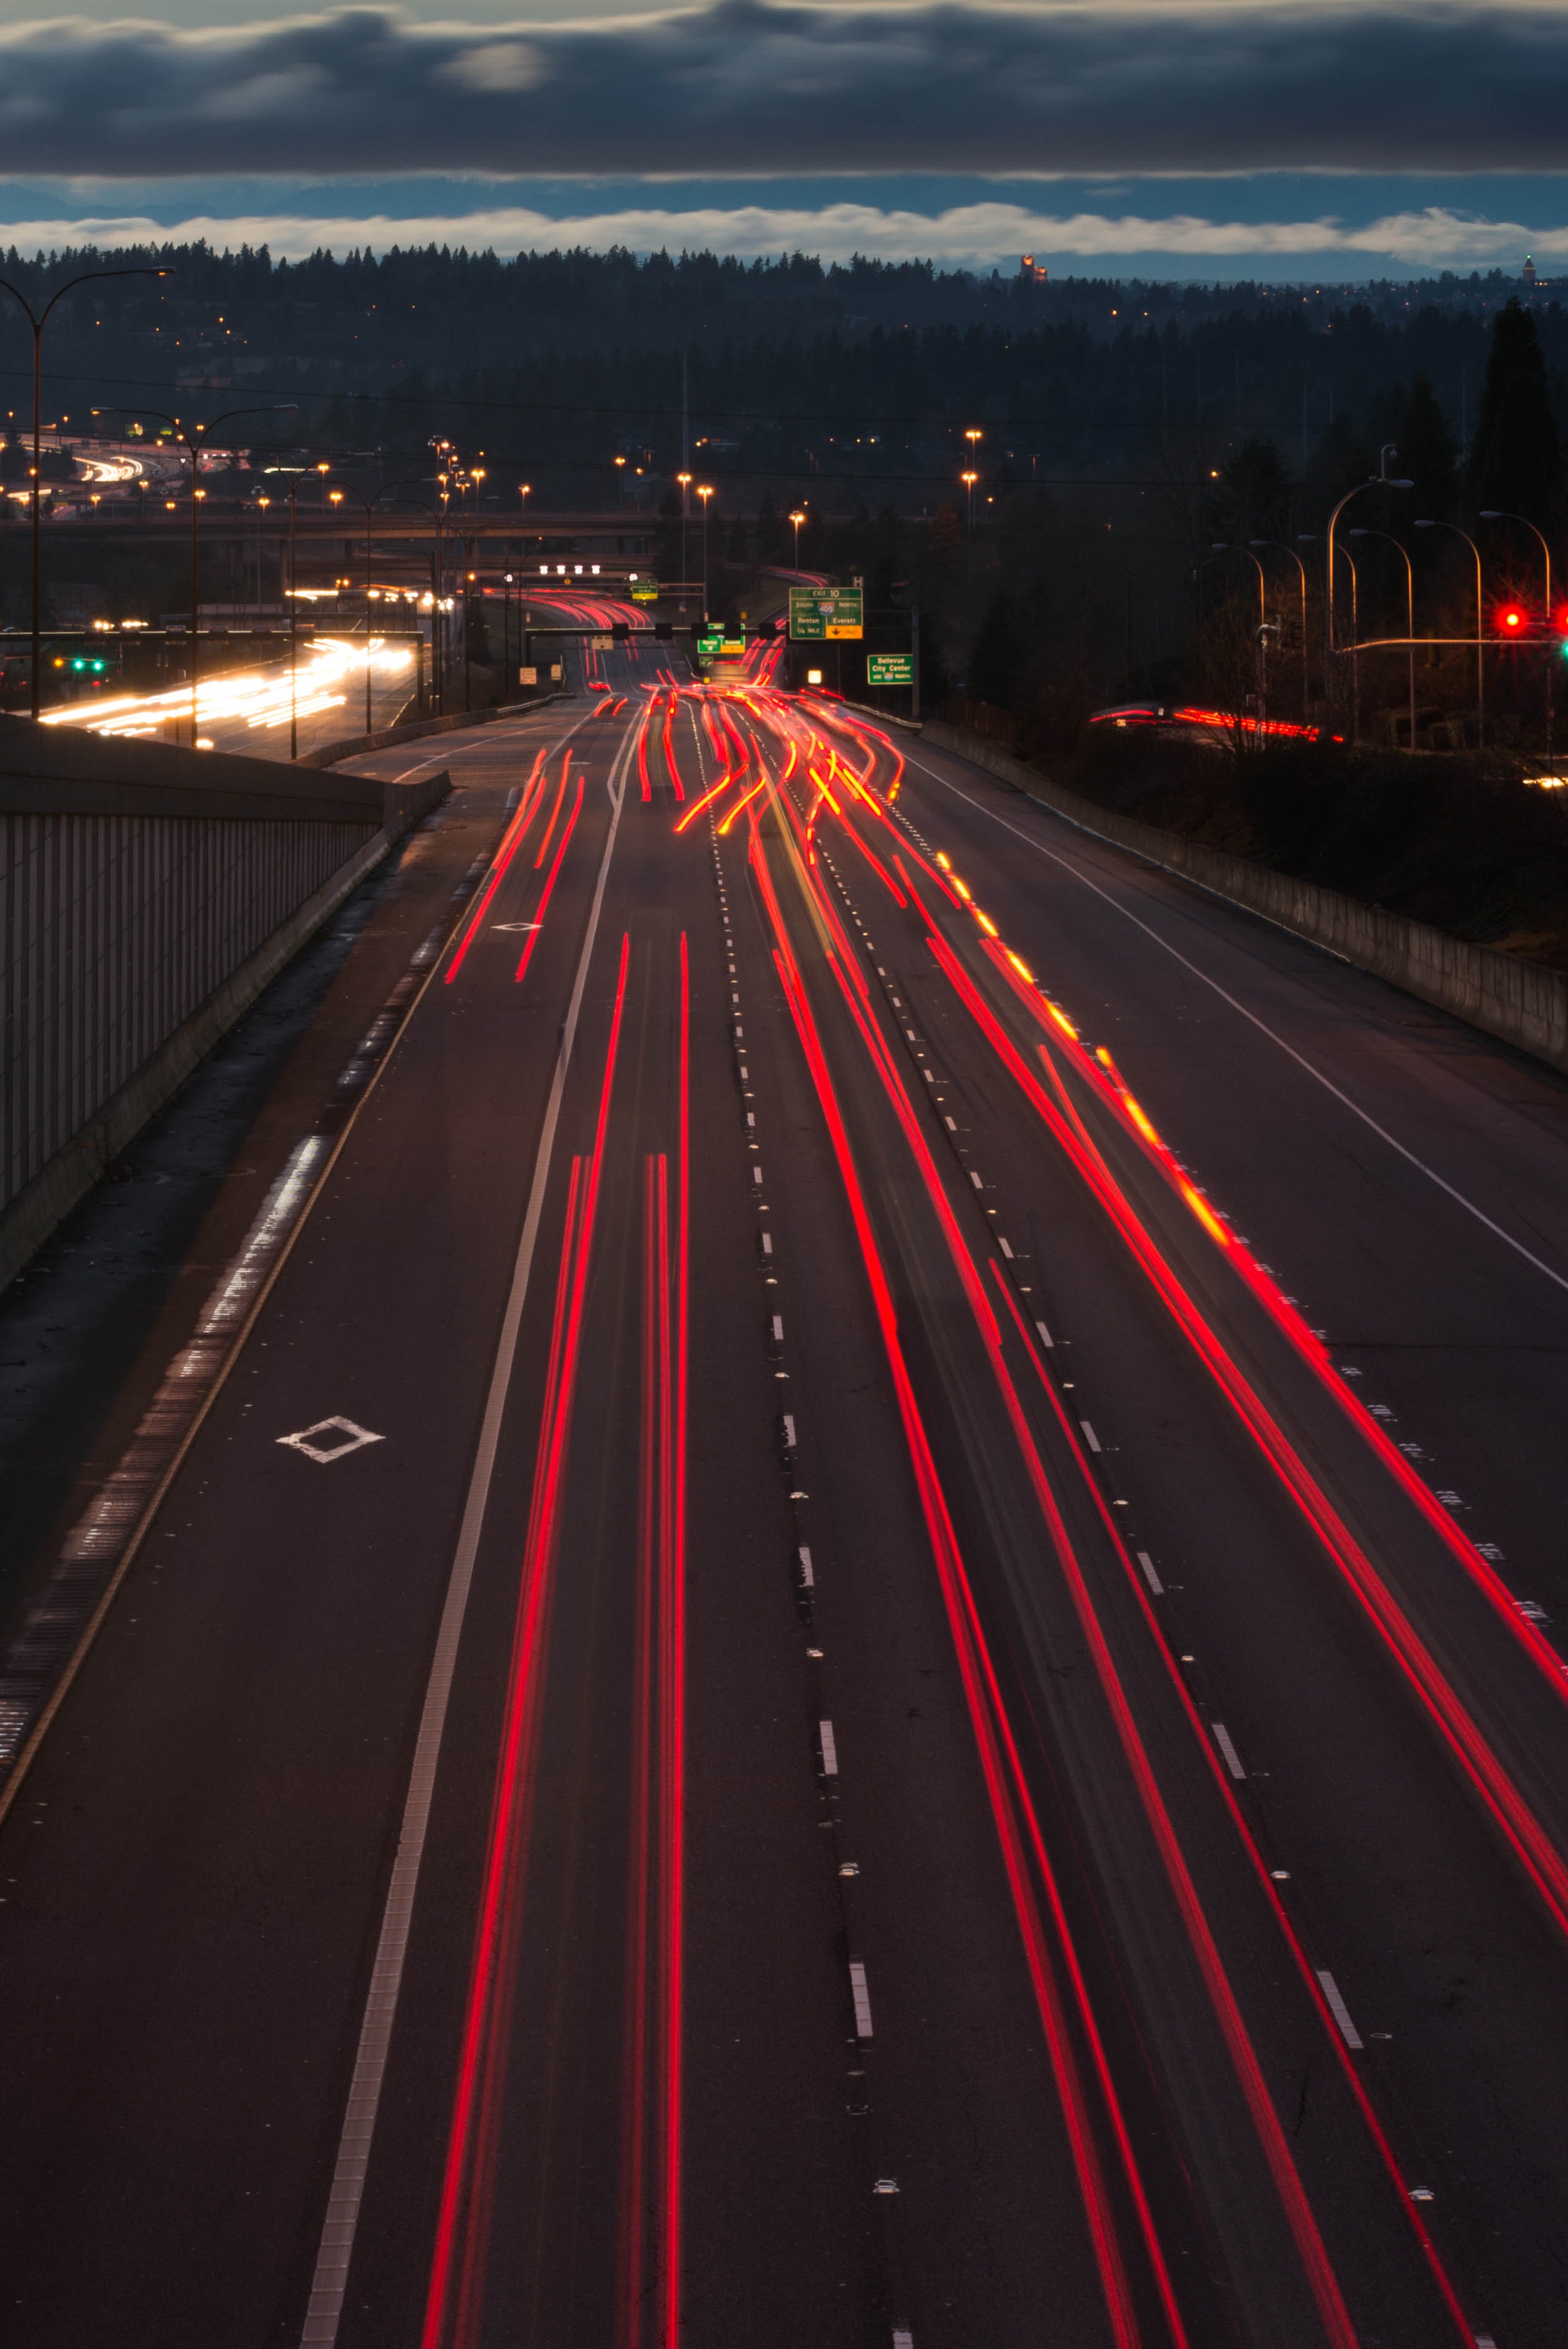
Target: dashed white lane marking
pixel 351 1437
pixel 1262 1025
pixel 779 1327
pixel 976 1180
pixel 951 1123
pixel 756 1173
pixel 1337 2008
pixel 1046 1337
pixel 829 1749
pixel 808 1579
pixel 1090 1437
pixel 903 2340
pixel 861 1997
pixel 1003 1245
pixel 766 1243
pixel 1227 1747
pixel 790 1429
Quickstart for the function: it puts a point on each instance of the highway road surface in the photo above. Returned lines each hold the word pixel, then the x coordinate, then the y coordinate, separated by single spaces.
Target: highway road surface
pixel 858 1639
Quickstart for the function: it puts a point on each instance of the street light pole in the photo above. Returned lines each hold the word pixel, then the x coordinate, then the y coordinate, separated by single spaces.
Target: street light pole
pixel 685 481
pixel 705 495
pixel 1280 548
pixel 1480 640
pixel 1495 513
pixel 336 497
pixel 1381 479
pixel 1410 611
pixel 797 518
pixel 38 320
pixel 969 481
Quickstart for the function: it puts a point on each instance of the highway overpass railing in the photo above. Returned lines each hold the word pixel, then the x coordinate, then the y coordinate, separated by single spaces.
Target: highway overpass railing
pixel 147 895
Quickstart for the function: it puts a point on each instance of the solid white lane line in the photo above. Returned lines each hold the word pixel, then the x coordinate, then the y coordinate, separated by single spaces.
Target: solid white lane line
pixel 829 1749
pixel 1261 1025
pixel 1226 1744
pixel 861 1997
pixel 1152 1580
pixel 1338 2008
pixel 336 2247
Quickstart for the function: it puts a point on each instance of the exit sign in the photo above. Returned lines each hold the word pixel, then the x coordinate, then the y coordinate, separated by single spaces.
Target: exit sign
pixel 816 613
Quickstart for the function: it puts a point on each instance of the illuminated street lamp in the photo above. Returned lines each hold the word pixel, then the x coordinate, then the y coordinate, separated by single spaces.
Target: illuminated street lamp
pixel 38 320
pixel 1479 624
pixel 797 518
pixel 969 481
pixel 685 481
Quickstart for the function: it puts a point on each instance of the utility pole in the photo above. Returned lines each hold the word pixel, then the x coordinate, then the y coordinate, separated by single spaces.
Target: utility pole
pixel 914 661
pixel 38 320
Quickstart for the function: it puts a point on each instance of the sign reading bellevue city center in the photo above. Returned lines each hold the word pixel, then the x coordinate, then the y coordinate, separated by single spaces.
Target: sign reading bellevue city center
pixel 890 668
pixel 830 612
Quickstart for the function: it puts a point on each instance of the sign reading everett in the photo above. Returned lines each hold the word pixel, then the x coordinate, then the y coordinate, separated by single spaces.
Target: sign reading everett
pixel 816 613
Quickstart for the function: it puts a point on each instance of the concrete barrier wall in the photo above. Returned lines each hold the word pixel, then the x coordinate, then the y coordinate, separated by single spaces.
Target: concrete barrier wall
pixel 1520 1003
pixel 147 894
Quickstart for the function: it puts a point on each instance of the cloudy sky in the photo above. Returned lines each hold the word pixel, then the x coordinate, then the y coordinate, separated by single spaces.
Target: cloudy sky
pixel 1286 140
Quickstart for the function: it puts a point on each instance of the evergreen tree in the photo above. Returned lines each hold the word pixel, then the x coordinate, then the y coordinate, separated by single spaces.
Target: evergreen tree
pixel 999 654
pixel 769 530
pixel 944 537
pixel 1515 457
pixel 1427 452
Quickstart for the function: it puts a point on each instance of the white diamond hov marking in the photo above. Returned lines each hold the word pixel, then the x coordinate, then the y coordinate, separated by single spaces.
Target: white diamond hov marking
pixel 352 1438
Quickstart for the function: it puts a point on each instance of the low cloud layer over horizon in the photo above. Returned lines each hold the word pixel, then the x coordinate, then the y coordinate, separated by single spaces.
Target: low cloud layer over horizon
pixel 973 236
pixel 751 89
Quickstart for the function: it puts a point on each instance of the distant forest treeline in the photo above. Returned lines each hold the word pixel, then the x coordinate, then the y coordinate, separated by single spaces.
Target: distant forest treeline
pixel 859 377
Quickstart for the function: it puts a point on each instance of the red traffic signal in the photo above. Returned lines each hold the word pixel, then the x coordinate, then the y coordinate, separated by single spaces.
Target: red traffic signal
pixel 1510 620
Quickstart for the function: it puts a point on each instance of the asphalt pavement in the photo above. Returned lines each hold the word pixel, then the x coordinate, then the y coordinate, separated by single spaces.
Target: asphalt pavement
pixel 860 1645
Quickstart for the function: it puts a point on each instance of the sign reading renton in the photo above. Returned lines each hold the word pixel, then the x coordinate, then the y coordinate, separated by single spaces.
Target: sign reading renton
pixel 816 613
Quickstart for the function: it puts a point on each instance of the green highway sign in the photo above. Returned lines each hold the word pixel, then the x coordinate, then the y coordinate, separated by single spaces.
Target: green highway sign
pixel 890 668
pixel 710 647
pixel 816 613
pixel 645 591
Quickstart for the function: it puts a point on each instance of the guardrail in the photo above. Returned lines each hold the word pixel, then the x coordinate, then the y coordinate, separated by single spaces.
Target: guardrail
pixel 1521 1003
pixel 147 895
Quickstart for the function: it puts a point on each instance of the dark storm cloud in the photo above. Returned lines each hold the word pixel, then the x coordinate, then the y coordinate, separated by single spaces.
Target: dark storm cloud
pixel 749 89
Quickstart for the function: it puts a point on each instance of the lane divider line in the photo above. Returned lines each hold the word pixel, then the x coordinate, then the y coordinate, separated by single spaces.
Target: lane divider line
pixel 345 2197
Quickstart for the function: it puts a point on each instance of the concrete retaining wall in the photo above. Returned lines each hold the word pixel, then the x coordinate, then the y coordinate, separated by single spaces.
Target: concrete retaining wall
pixel 1520 1003
pixel 147 895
